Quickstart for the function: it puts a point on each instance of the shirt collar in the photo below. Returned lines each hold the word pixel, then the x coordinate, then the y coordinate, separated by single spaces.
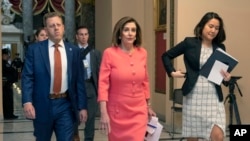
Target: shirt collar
pixel 51 43
pixel 80 46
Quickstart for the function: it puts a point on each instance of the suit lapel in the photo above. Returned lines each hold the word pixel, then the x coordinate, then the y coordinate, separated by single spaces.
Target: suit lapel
pixel 69 54
pixel 198 52
pixel 44 49
pixel 92 59
pixel 214 47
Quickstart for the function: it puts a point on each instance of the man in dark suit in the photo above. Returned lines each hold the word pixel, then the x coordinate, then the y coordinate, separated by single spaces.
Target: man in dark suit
pixel 10 76
pixel 17 63
pixel 53 109
pixel 91 59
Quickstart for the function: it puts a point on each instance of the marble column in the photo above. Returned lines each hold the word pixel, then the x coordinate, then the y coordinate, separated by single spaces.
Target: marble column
pixel 70 20
pixel 27 19
pixel 88 19
pixel 1 84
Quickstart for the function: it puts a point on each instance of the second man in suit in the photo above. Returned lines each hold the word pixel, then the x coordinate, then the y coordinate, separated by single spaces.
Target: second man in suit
pixel 91 59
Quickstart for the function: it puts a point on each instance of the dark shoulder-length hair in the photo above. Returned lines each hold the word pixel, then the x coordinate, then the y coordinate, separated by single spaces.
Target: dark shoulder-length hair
pixel 38 30
pixel 221 36
pixel 119 26
pixel 36 34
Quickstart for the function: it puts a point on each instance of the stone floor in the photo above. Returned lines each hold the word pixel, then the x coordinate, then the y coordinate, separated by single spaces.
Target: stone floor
pixel 22 129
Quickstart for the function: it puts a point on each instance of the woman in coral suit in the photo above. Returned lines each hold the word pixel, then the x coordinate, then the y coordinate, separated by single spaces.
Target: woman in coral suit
pixel 124 91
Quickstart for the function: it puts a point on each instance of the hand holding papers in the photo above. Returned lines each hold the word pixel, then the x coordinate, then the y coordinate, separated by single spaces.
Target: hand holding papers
pixel 154 129
pixel 215 74
pixel 152 125
pixel 219 60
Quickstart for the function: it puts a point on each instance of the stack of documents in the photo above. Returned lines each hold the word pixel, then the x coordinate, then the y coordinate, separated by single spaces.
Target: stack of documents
pixel 219 60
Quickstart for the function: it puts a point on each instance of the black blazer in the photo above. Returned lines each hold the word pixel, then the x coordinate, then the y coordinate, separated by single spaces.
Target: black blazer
pixel 190 47
pixel 95 61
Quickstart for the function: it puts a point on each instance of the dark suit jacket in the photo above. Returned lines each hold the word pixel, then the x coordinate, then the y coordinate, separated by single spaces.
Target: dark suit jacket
pixel 95 60
pixel 191 49
pixel 36 79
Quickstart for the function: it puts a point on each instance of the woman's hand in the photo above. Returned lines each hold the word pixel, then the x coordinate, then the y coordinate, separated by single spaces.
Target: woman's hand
pixel 150 112
pixel 104 121
pixel 226 75
pixel 178 74
pixel 105 124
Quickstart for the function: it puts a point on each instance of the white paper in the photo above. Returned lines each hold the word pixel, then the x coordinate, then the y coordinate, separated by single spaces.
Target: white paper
pixel 154 130
pixel 215 73
pixel 152 125
pixel 156 135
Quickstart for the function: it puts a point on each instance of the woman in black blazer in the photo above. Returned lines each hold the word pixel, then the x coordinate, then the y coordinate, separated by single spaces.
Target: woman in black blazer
pixel 203 108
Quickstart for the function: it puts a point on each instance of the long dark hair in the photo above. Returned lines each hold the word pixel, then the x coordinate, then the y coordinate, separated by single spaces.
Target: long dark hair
pixel 221 36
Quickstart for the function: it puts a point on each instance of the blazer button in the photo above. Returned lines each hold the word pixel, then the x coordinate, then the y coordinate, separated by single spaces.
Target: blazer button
pixel 133 73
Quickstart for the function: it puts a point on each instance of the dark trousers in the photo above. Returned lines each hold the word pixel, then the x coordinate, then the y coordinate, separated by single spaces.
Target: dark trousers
pixel 8 107
pixel 62 122
pixel 89 130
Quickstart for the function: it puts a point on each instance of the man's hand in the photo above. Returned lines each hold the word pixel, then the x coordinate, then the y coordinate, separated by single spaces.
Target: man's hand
pixel 29 111
pixel 83 115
